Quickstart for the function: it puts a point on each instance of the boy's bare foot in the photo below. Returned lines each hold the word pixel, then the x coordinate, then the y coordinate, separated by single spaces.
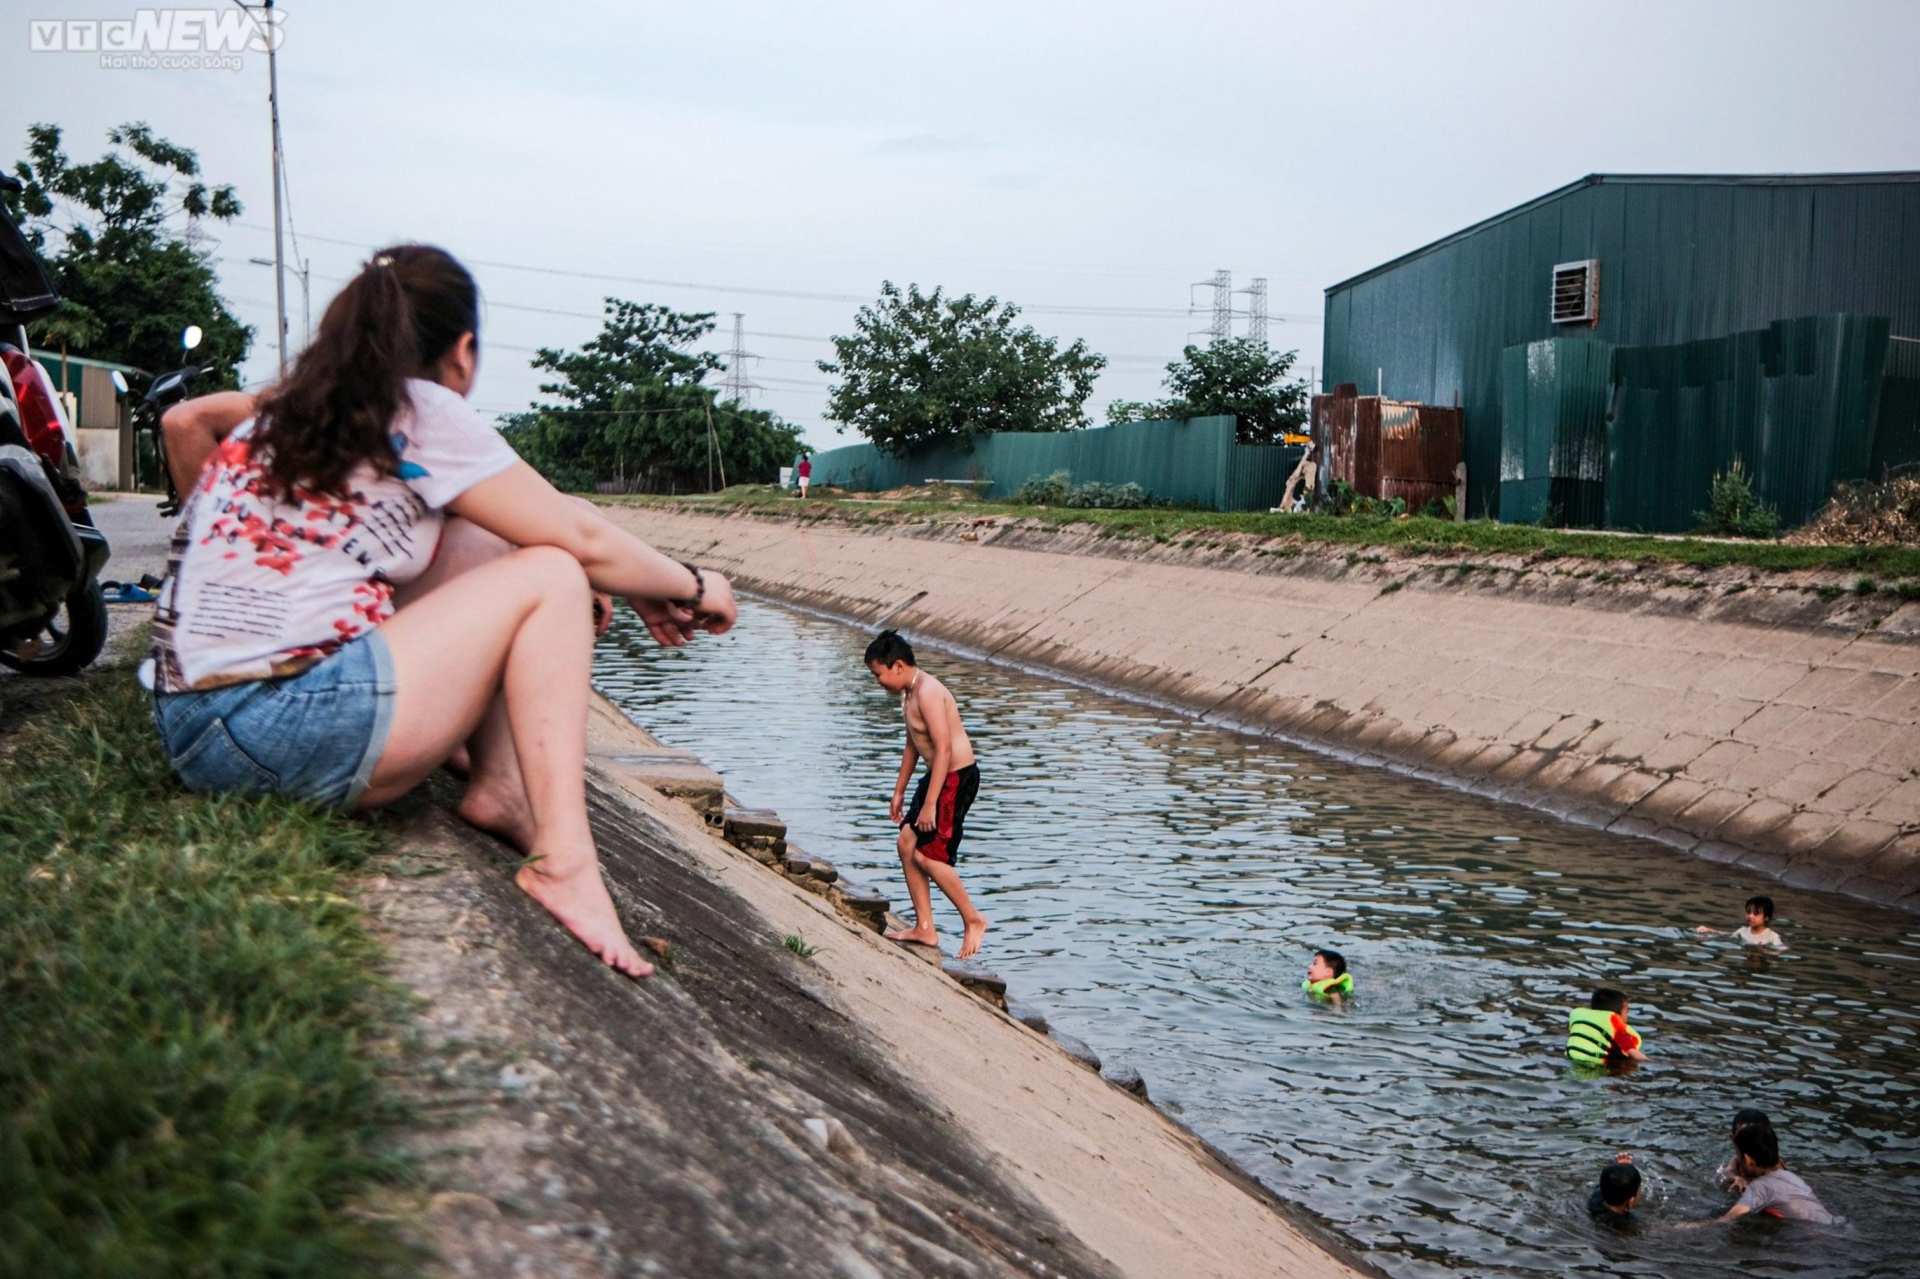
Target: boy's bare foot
pixel 499 812
pixel 581 902
pixel 919 935
pixel 970 940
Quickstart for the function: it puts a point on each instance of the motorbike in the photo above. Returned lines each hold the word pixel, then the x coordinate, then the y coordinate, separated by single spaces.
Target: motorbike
pixel 53 614
pixel 167 390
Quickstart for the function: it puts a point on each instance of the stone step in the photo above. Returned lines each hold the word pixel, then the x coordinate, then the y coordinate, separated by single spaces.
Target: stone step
pixel 677 774
pixel 988 985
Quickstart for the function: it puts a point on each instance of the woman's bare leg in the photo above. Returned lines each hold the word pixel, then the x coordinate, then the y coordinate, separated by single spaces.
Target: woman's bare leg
pixel 523 624
pixel 496 797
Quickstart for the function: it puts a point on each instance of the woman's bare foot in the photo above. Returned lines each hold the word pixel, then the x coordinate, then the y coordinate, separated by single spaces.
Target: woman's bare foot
pixel 501 812
pixel 970 940
pixel 919 935
pixel 581 902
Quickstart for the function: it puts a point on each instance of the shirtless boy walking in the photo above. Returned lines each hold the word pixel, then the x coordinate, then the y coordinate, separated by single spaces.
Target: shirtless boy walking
pixel 931 826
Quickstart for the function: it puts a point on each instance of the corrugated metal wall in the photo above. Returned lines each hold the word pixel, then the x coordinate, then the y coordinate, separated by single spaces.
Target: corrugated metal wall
pixel 1795 402
pixel 1553 431
pixel 1194 463
pixel 1681 259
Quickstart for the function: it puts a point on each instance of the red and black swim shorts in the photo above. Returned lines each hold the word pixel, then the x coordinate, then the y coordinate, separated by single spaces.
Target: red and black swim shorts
pixel 942 843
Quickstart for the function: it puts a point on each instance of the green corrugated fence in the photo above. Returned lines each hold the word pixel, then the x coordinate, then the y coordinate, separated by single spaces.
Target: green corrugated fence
pixel 1796 402
pixel 1191 463
pixel 1631 437
pixel 1553 431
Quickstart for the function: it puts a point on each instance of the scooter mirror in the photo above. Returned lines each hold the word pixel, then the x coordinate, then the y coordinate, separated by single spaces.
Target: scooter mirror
pixel 119 382
pixel 190 336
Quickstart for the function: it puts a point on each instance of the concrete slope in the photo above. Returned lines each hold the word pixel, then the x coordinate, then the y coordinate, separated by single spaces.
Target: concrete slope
pixel 752 1112
pixel 1747 720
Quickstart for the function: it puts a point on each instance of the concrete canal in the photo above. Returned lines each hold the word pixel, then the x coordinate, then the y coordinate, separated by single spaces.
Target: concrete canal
pixel 1156 886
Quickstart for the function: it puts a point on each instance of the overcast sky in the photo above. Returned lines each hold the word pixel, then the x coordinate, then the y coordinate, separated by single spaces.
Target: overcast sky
pixel 1070 157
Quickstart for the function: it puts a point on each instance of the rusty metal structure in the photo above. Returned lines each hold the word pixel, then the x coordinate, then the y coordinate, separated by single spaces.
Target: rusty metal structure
pixel 1388 448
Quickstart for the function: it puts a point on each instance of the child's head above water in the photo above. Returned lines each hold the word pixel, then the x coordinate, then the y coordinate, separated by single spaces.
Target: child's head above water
pixel 1759 912
pixel 1747 1117
pixel 1759 1148
pixel 1620 1185
pixel 1326 965
pixel 890 658
pixel 1608 1000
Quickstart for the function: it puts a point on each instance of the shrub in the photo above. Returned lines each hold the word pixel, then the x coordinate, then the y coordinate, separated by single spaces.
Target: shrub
pixel 1059 490
pixel 1734 510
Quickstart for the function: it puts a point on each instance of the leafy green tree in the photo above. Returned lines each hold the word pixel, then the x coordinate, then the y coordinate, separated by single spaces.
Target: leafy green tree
pixel 113 234
pixel 634 412
pixel 1235 375
pixel 923 369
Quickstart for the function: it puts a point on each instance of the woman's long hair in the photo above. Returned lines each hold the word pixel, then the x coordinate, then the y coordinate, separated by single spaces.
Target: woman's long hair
pixel 336 409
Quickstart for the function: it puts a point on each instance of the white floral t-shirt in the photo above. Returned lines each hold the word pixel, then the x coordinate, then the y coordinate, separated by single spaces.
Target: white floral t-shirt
pixel 260 588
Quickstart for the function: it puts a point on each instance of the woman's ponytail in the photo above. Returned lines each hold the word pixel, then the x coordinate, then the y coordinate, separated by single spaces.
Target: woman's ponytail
pixel 405 310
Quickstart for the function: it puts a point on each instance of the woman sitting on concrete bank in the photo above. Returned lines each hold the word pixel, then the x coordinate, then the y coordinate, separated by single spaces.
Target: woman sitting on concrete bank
pixel 362 484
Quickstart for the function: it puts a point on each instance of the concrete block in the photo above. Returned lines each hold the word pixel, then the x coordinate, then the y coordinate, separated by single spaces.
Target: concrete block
pixel 1808 782
pixel 1853 845
pixel 691 782
pixel 1855 793
pixel 1667 801
pixel 1899 806
pixel 1706 815
pixel 1754 824
pixel 1803 832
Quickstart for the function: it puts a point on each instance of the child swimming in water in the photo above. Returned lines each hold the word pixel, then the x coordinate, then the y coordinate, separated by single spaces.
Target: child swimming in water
pixel 1612 1200
pixel 1758 930
pixel 1327 976
pixel 1745 1117
pixel 1598 1035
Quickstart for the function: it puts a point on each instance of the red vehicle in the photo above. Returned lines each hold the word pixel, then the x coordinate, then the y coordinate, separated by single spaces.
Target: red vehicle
pixel 53 617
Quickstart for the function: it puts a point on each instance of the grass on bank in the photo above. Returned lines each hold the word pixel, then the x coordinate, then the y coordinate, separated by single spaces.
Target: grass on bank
pixel 187 1005
pixel 1418 535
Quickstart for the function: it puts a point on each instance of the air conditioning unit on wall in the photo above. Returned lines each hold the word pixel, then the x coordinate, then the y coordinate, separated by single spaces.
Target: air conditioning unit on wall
pixel 1576 292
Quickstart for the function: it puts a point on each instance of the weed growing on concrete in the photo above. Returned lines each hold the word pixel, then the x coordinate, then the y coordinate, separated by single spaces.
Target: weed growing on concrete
pixel 799 945
pixel 1831 592
pixel 1865 586
pixel 187 1000
pixel 1906 590
pixel 1393 586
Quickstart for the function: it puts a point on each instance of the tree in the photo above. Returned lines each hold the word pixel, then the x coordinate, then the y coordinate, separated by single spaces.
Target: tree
pixel 1233 375
pixel 114 236
pixel 635 413
pixel 922 369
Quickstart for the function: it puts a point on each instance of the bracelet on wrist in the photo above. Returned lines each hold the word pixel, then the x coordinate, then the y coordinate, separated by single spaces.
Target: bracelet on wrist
pixel 699 589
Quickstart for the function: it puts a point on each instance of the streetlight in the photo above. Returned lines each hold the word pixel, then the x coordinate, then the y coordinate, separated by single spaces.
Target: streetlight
pixel 270 37
pixel 306 303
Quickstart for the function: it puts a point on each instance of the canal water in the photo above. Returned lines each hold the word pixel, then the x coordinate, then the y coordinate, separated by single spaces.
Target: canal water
pixel 1157 885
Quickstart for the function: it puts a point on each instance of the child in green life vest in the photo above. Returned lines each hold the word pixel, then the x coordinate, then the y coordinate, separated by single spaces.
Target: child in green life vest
pixel 1327 976
pixel 1598 1035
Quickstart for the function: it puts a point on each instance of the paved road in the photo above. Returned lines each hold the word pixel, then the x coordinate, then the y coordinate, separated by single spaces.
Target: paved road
pixel 138 538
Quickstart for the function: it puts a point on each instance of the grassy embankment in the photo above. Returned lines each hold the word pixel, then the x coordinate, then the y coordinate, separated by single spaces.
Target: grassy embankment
pixel 190 1017
pixel 1880 566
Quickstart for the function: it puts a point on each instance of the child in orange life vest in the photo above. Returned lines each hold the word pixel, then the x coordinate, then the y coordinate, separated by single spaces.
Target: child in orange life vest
pixel 1327 976
pixel 1598 1035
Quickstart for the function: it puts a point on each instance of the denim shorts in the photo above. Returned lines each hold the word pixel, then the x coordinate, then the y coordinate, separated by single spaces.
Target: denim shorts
pixel 314 736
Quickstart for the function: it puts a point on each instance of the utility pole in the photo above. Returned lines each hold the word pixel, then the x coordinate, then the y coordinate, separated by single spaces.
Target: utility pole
pixel 279 248
pixel 737 386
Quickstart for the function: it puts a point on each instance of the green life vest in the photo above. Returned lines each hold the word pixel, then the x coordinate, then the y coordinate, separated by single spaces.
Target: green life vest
pixel 1341 985
pixel 1589 1036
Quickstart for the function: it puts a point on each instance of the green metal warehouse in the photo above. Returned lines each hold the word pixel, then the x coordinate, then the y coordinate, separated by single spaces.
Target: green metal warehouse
pixel 1616 342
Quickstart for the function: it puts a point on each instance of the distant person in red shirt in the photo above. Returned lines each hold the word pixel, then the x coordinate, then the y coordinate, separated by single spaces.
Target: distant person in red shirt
pixel 806 472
